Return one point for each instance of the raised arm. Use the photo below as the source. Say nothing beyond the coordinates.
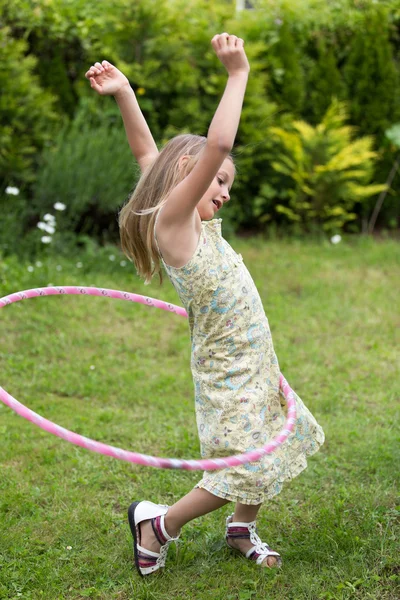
(107, 80)
(184, 198)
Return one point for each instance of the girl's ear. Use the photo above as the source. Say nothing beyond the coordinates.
(184, 160)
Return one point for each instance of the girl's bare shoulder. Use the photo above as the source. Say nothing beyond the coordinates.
(178, 243)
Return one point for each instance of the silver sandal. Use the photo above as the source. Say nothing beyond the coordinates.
(260, 550)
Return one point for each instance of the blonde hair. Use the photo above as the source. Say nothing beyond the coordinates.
(138, 215)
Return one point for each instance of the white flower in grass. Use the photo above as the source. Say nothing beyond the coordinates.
(69, 547)
(336, 239)
(46, 227)
(92, 367)
(12, 191)
(30, 269)
(60, 206)
(46, 239)
(59, 268)
(123, 263)
(49, 218)
(39, 263)
(111, 257)
(79, 265)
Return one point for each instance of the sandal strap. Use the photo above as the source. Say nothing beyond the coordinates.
(159, 530)
(147, 553)
(237, 532)
(260, 550)
(259, 556)
(150, 561)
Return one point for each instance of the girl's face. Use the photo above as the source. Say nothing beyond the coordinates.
(218, 192)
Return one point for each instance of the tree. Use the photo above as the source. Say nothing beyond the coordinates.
(287, 77)
(371, 76)
(26, 112)
(324, 81)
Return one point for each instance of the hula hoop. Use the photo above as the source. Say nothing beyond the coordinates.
(134, 457)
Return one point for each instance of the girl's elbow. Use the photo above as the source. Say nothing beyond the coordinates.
(219, 143)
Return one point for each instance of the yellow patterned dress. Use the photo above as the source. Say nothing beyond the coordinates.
(236, 374)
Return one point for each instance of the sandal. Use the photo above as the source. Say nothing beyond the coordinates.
(260, 551)
(147, 561)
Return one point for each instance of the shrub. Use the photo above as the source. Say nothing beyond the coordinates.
(26, 113)
(90, 169)
(324, 80)
(372, 79)
(330, 171)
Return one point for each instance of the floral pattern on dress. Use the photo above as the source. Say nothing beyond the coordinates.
(238, 404)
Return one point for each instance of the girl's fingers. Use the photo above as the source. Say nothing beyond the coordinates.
(98, 66)
(232, 40)
(94, 84)
(220, 41)
(223, 40)
(106, 64)
(92, 71)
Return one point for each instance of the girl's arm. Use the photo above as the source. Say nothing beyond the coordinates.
(137, 131)
(184, 198)
(108, 80)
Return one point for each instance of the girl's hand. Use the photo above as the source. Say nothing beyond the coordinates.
(230, 52)
(106, 79)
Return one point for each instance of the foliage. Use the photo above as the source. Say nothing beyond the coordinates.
(330, 171)
(26, 112)
(15, 214)
(287, 77)
(302, 54)
(90, 170)
(324, 81)
(371, 75)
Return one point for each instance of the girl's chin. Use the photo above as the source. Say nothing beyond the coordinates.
(206, 215)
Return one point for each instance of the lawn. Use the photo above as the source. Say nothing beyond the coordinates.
(119, 372)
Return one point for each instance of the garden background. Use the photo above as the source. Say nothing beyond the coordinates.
(315, 213)
(321, 113)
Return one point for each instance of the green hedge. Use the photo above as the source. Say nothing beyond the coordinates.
(302, 55)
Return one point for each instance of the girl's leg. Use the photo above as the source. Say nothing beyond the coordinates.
(245, 513)
(196, 503)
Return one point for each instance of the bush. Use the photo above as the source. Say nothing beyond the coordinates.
(330, 171)
(15, 214)
(90, 169)
(26, 112)
(371, 76)
(301, 53)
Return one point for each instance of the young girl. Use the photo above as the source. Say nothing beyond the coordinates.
(169, 219)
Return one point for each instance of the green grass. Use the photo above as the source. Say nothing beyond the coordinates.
(334, 316)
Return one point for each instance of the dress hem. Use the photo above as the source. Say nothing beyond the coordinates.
(255, 500)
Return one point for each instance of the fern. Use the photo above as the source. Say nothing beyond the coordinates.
(330, 171)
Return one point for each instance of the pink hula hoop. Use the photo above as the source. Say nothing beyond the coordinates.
(134, 457)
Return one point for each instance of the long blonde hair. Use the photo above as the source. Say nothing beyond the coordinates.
(138, 215)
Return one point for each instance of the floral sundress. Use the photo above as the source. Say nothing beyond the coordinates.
(239, 406)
